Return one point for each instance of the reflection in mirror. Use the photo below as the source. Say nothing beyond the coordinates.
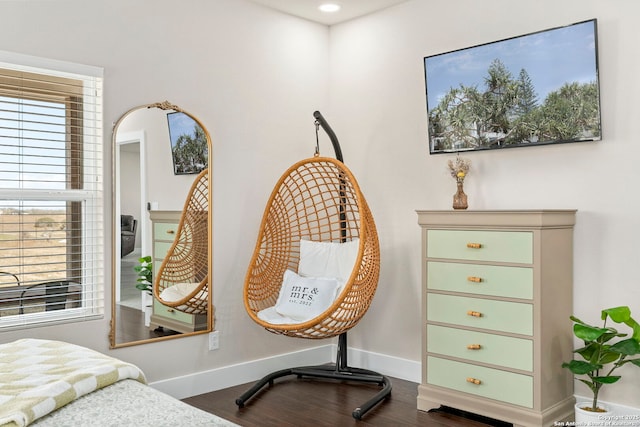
(160, 154)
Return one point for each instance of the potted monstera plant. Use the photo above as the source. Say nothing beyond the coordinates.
(145, 283)
(605, 350)
(145, 274)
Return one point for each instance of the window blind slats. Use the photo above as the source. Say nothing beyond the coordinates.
(51, 200)
(39, 83)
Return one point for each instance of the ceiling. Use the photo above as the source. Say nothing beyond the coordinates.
(308, 9)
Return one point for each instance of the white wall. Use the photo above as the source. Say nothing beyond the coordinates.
(377, 107)
(167, 190)
(254, 77)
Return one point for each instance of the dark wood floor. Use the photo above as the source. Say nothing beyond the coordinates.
(293, 402)
(130, 326)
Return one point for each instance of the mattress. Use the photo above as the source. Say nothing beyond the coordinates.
(129, 403)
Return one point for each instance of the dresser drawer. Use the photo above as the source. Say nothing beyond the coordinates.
(511, 282)
(165, 231)
(501, 316)
(499, 246)
(495, 384)
(160, 250)
(510, 352)
(171, 313)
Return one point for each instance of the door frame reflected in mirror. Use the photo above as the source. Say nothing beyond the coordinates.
(130, 144)
(117, 336)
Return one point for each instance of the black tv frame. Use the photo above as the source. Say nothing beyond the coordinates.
(474, 119)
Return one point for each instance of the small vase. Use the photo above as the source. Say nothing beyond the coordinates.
(460, 199)
(595, 419)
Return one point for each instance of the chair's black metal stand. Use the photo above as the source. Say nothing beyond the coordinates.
(335, 371)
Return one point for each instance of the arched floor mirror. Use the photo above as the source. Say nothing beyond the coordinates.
(158, 151)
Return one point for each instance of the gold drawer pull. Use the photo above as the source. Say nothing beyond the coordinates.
(474, 346)
(474, 279)
(474, 381)
(474, 245)
(170, 310)
(474, 313)
(171, 232)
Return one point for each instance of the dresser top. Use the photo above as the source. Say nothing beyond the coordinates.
(165, 215)
(538, 218)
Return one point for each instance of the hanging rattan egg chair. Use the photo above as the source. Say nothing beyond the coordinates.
(182, 280)
(319, 200)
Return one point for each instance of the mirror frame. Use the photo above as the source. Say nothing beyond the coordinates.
(167, 106)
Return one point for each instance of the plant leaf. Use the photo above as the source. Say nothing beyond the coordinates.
(588, 333)
(576, 320)
(606, 380)
(610, 335)
(623, 315)
(617, 314)
(636, 328)
(607, 356)
(629, 347)
(579, 367)
(589, 352)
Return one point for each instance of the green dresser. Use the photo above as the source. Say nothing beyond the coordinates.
(165, 227)
(496, 299)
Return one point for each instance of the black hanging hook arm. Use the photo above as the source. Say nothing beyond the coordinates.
(330, 133)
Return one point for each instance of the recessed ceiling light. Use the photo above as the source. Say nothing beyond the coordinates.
(329, 7)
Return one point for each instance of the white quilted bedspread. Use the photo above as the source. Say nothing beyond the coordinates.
(40, 376)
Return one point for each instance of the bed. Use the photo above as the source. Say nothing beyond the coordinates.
(49, 383)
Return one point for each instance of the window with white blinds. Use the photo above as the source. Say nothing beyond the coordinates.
(51, 194)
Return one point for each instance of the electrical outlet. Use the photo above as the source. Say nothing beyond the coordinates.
(214, 340)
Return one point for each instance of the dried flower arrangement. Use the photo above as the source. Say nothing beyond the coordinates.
(459, 168)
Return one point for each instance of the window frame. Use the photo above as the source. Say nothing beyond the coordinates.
(80, 90)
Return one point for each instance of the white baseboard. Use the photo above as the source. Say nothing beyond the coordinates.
(242, 373)
(396, 367)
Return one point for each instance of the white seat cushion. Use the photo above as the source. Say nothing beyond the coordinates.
(270, 315)
(183, 290)
(178, 291)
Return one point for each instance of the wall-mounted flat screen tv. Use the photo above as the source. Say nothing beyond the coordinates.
(188, 144)
(536, 89)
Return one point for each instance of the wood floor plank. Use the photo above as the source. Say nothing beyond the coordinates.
(293, 402)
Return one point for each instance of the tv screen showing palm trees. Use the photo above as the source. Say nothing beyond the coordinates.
(536, 89)
(188, 144)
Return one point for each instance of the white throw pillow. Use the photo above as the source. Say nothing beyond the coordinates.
(304, 298)
(328, 259)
